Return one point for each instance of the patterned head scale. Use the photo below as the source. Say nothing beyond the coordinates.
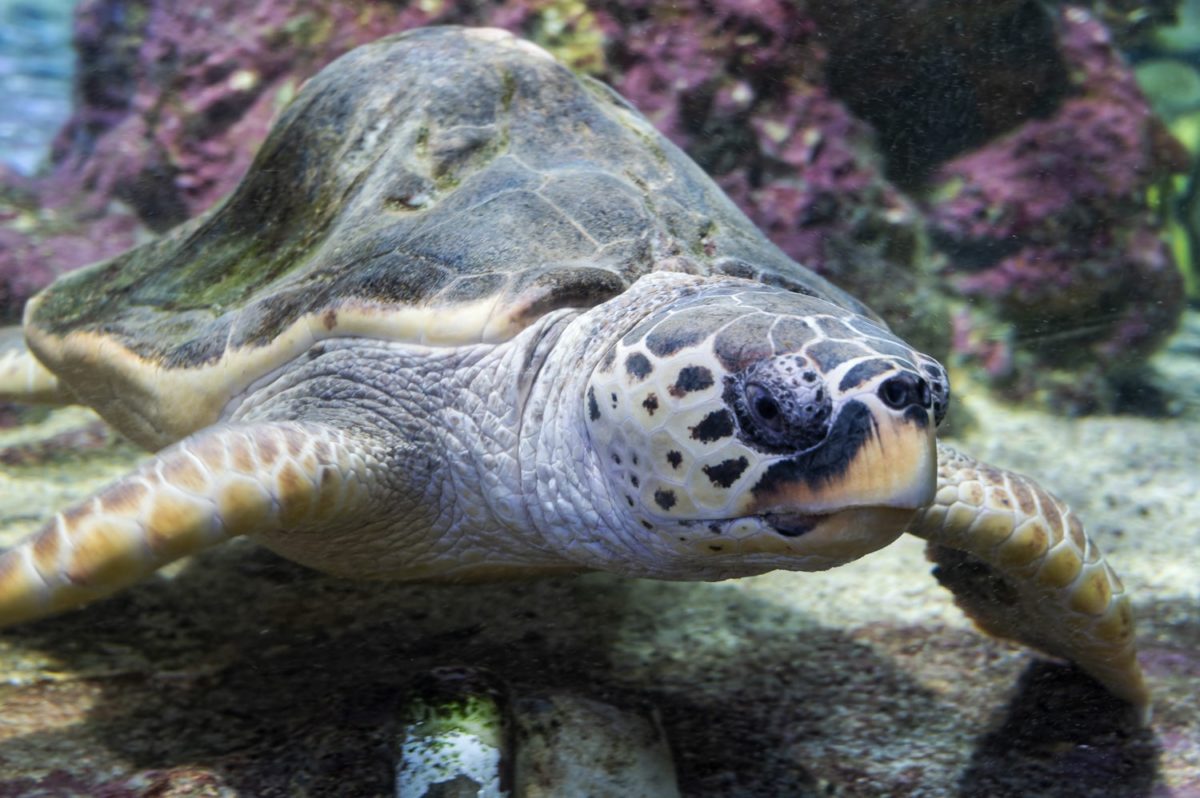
(752, 421)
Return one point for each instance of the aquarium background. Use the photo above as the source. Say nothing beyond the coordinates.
(1012, 185)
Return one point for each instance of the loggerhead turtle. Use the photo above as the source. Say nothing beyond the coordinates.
(470, 316)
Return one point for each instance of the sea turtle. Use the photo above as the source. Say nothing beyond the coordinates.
(470, 316)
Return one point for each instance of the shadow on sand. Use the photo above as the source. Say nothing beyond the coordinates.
(247, 673)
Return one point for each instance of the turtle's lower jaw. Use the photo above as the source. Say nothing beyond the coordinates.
(809, 542)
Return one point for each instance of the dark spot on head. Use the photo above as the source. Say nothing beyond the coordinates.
(610, 357)
(716, 425)
(918, 416)
(614, 401)
(664, 498)
(629, 499)
(679, 329)
(638, 366)
(648, 525)
(744, 341)
(673, 334)
(643, 328)
(828, 355)
(616, 458)
(329, 319)
(633, 480)
(593, 408)
(791, 334)
(864, 372)
(650, 403)
(634, 458)
(713, 547)
(715, 528)
(674, 458)
(691, 378)
(725, 473)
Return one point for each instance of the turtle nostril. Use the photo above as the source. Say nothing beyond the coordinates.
(904, 390)
(924, 395)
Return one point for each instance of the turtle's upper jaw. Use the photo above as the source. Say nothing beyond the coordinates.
(870, 458)
(848, 496)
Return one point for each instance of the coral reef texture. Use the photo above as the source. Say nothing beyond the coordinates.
(1050, 223)
(1011, 131)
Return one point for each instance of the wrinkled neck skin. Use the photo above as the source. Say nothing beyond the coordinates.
(446, 500)
(570, 500)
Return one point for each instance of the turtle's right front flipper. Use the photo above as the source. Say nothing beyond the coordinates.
(1022, 567)
(23, 379)
(222, 482)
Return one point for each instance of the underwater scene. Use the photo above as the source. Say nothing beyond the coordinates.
(562, 398)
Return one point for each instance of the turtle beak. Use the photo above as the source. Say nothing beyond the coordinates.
(855, 491)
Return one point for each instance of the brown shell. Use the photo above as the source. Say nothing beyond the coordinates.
(445, 185)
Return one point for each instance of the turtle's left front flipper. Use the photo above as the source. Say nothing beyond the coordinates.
(1022, 567)
(228, 480)
(22, 378)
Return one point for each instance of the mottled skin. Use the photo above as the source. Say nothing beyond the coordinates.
(470, 317)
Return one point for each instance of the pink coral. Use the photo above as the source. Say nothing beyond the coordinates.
(1050, 223)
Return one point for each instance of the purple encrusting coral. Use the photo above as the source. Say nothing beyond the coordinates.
(738, 85)
(1051, 226)
(173, 100)
(171, 103)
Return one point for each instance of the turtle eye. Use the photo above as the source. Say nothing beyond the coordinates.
(778, 410)
(764, 407)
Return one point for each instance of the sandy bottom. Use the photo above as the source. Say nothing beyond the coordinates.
(241, 674)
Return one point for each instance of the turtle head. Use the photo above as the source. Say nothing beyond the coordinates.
(759, 428)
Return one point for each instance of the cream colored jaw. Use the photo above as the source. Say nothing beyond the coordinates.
(225, 482)
(895, 467)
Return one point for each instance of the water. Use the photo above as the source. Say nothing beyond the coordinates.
(36, 62)
(238, 673)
